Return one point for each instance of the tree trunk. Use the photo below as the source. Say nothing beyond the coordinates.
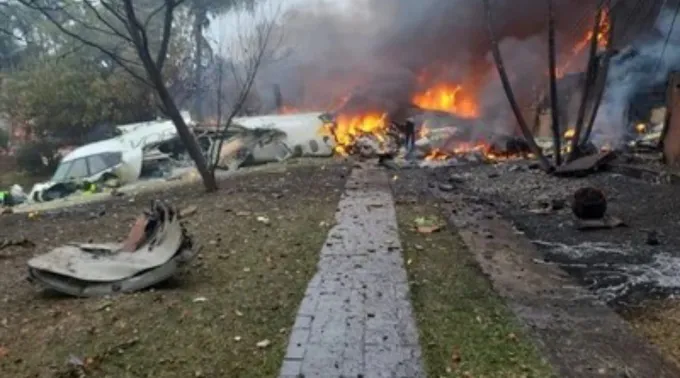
(187, 137)
(587, 87)
(601, 79)
(155, 76)
(498, 59)
(199, 21)
(554, 100)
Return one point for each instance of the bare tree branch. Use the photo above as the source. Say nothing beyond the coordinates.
(122, 62)
(554, 100)
(256, 49)
(165, 39)
(545, 164)
(587, 85)
(601, 84)
(99, 16)
(116, 13)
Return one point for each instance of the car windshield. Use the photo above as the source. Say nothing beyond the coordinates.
(62, 170)
(78, 168)
(73, 169)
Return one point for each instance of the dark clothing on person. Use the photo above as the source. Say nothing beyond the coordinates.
(410, 134)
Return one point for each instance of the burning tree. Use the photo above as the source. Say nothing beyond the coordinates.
(136, 35)
(592, 92)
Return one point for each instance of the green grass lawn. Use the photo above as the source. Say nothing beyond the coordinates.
(465, 328)
(229, 316)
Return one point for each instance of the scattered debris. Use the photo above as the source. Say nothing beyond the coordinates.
(670, 135)
(263, 344)
(151, 150)
(586, 165)
(652, 238)
(188, 211)
(589, 203)
(428, 225)
(263, 219)
(26, 243)
(388, 162)
(607, 221)
(103, 269)
(137, 234)
(456, 179)
(548, 206)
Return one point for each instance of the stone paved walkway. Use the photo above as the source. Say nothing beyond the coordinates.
(356, 319)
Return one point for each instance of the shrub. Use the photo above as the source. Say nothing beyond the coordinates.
(4, 139)
(38, 158)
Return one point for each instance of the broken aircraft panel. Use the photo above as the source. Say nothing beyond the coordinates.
(159, 247)
(274, 138)
(302, 133)
(249, 140)
(121, 158)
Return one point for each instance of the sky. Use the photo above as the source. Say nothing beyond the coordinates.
(226, 27)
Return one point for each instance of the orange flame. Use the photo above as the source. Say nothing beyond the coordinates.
(447, 98)
(348, 128)
(285, 109)
(579, 47)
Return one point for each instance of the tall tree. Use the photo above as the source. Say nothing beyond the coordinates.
(252, 48)
(202, 11)
(587, 85)
(554, 108)
(125, 31)
(507, 87)
(65, 98)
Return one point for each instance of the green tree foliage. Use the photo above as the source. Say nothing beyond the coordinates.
(76, 86)
(63, 99)
(38, 158)
(4, 138)
(202, 11)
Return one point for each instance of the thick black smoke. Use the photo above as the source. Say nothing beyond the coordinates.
(378, 49)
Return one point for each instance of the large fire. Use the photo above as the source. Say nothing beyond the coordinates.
(448, 98)
(456, 98)
(583, 43)
(348, 128)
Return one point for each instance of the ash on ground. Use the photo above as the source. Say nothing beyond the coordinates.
(623, 265)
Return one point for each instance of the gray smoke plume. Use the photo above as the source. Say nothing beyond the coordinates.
(377, 50)
(641, 68)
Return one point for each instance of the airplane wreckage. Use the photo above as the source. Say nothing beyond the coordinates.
(152, 149)
(156, 248)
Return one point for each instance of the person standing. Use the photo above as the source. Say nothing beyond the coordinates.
(410, 135)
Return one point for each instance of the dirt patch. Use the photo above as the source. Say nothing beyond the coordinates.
(465, 329)
(660, 323)
(579, 334)
(243, 288)
(618, 264)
